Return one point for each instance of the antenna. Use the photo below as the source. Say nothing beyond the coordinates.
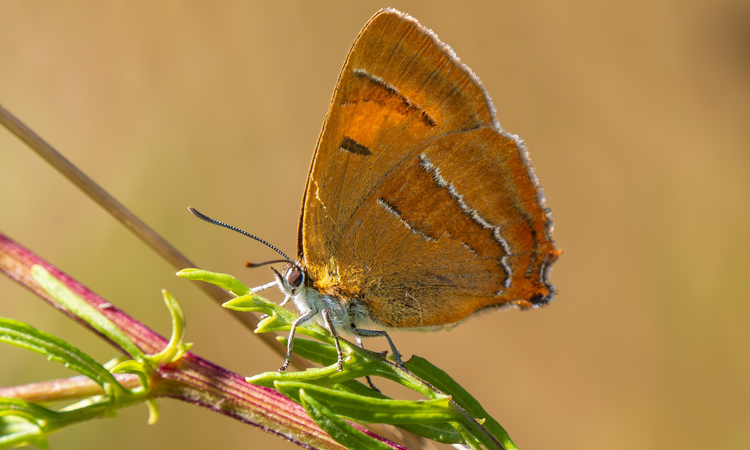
(222, 224)
(251, 265)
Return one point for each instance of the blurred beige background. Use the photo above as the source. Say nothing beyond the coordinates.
(637, 117)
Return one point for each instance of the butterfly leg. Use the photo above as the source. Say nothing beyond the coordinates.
(369, 380)
(300, 320)
(335, 336)
(372, 333)
(264, 287)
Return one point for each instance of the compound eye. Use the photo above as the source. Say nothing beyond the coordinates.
(294, 277)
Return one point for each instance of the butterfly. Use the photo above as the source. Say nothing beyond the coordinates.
(419, 210)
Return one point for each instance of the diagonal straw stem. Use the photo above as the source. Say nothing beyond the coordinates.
(133, 223)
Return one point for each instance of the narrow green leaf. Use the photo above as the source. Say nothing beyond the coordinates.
(252, 302)
(470, 438)
(340, 431)
(366, 409)
(279, 319)
(28, 411)
(55, 349)
(153, 411)
(224, 281)
(442, 381)
(441, 432)
(322, 375)
(319, 352)
(438, 431)
(16, 431)
(14, 411)
(137, 368)
(256, 303)
(175, 348)
(86, 312)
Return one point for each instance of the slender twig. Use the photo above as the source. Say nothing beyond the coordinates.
(192, 378)
(127, 218)
(64, 389)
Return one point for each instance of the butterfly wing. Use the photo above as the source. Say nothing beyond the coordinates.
(418, 206)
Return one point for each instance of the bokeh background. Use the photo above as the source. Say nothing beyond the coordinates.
(637, 117)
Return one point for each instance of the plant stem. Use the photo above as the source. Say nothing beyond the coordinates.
(64, 389)
(191, 379)
(129, 220)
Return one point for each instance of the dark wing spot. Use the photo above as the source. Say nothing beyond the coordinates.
(427, 119)
(352, 146)
(539, 300)
(400, 102)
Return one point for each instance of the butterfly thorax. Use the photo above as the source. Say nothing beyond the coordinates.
(345, 308)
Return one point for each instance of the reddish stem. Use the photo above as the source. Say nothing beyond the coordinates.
(191, 379)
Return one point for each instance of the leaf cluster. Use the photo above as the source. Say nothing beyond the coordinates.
(22, 422)
(448, 414)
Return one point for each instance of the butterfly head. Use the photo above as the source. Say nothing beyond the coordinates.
(291, 280)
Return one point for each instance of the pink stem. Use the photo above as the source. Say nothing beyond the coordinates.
(191, 379)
